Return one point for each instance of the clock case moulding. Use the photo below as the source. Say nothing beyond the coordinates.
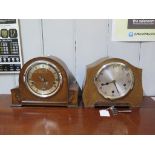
(68, 95)
(91, 96)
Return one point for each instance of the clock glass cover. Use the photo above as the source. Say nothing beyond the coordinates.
(43, 78)
(114, 80)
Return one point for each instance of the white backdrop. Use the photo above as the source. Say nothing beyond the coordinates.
(78, 43)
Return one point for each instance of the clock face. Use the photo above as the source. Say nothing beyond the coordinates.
(43, 78)
(114, 80)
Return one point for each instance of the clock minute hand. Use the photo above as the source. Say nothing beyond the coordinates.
(115, 85)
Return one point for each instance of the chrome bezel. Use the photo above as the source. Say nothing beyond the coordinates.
(46, 63)
(105, 66)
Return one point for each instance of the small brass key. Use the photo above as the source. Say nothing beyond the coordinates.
(115, 111)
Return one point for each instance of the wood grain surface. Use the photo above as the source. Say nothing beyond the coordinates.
(74, 121)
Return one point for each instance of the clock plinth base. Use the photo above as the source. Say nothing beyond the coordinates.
(74, 99)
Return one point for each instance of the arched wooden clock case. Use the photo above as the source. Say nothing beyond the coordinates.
(112, 81)
(46, 81)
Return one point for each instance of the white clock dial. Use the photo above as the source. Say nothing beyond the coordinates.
(114, 80)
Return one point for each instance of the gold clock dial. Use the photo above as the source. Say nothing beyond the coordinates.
(43, 79)
(114, 80)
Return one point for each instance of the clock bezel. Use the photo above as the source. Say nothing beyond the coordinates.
(33, 64)
(109, 64)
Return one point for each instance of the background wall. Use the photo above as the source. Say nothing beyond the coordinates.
(78, 43)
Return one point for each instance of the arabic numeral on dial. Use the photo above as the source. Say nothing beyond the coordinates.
(124, 84)
(101, 73)
(127, 74)
(96, 79)
(31, 82)
(129, 81)
(105, 92)
(56, 79)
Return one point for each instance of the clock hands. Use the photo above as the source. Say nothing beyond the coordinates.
(42, 78)
(114, 82)
(45, 82)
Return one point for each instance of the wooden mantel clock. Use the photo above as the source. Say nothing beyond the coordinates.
(112, 81)
(46, 81)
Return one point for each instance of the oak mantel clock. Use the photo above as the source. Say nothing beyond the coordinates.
(46, 81)
(112, 81)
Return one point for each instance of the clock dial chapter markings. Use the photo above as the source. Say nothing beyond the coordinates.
(31, 82)
(115, 79)
(43, 79)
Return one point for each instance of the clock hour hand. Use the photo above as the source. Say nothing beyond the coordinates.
(106, 83)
